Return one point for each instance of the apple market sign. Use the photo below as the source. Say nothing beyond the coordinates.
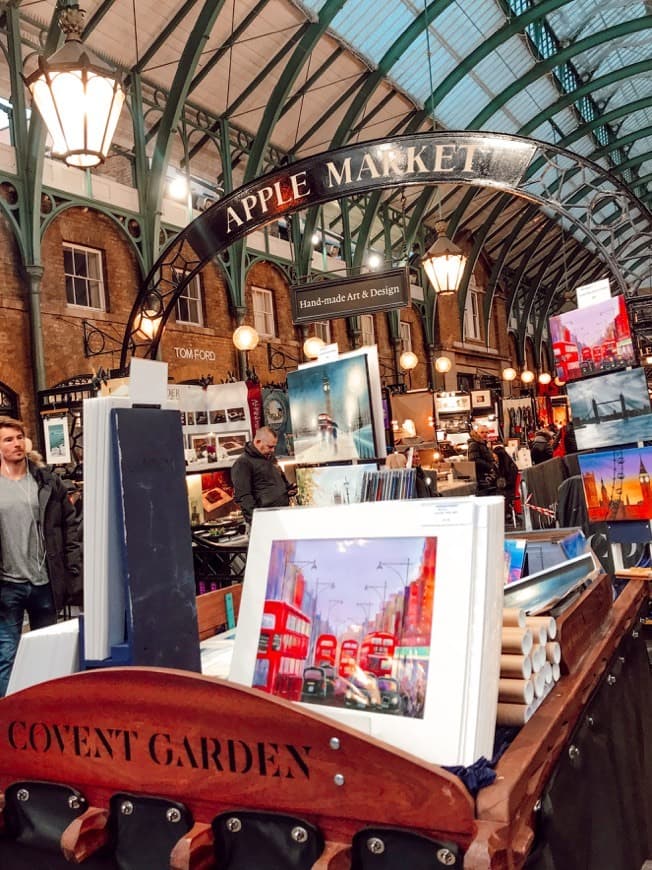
(409, 160)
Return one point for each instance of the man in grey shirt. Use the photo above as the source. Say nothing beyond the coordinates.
(40, 545)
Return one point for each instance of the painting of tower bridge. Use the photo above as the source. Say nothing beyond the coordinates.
(617, 484)
(611, 409)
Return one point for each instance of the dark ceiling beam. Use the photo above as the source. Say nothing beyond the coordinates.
(514, 26)
(544, 66)
(96, 17)
(279, 96)
(164, 35)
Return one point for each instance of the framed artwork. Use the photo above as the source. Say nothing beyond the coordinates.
(331, 411)
(217, 418)
(232, 444)
(593, 339)
(514, 558)
(57, 441)
(481, 398)
(611, 409)
(617, 484)
(324, 485)
(390, 621)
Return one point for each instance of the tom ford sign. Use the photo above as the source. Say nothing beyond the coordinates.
(418, 159)
(350, 296)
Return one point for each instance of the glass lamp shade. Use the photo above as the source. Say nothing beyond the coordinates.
(444, 263)
(78, 96)
(147, 326)
(509, 374)
(245, 337)
(443, 364)
(545, 378)
(408, 360)
(527, 376)
(312, 346)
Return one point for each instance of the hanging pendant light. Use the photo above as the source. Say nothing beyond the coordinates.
(78, 95)
(444, 263)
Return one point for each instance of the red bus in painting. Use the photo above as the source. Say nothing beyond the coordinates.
(377, 653)
(282, 650)
(348, 658)
(567, 359)
(325, 650)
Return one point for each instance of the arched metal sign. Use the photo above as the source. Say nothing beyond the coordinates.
(609, 216)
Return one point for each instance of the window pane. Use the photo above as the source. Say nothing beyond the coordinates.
(83, 276)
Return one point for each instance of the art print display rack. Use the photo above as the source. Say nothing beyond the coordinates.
(191, 773)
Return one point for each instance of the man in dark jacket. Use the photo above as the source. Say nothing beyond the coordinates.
(541, 448)
(485, 463)
(257, 479)
(40, 545)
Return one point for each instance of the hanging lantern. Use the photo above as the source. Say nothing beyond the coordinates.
(408, 360)
(444, 263)
(78, 96)
(245, 337)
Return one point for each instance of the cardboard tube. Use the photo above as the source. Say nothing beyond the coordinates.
(538, 656)
(556, 671)
(515, 691)
(517, 640)
(553, 652)
(513, 714)
(512, 665)
(547, 673)
(539, 681)
(547, 622)
(514, 617)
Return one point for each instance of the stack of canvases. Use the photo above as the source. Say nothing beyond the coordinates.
(529, 665)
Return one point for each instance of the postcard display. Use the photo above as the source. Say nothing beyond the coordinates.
(216, 423)
(389, 622)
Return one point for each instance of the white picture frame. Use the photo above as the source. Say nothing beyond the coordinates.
(456, 722)
(56, 440)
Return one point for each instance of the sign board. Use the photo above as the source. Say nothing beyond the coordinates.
(589, 294)
(324, 300)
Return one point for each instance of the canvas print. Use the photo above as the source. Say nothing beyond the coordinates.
(611, 409)
(354, 620)
(514, 558)
(276, 415)
(331, 484)
(330, 408)
(617, 484)
(591, 340)
(412, 415)
(57, 442)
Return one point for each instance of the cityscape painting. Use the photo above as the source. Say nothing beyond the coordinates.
(330, 408)
(347, 623)
(617, 484)
(590, 340)
(611, 409)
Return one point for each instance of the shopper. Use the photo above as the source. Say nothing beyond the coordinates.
(40, 545)
(257, 478)
(506, 476)
(541, 448)
(480, 453)
(425, 482)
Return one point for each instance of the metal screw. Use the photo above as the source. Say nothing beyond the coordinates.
(173, 815)
(299, 834)
(334, 743)
(537, 806)
(375, 845)
(22, 794)
(590, 721)
(338, 779)
(573, 753)
(74, 802)
(126, 808)
(611, 680)
(234, 825)
(445, 856)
